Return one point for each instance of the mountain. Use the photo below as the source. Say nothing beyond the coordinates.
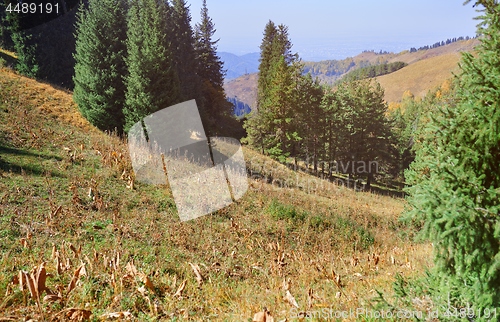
(237, 66)
(427, 69)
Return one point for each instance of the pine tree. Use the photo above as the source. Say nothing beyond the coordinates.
(181, 37)
(100, 66)
(216, 111)
(20, 40)
(367, 127)
(152, 82)
(310, 121)
(5, 32)
(456, 176)
(272, 127)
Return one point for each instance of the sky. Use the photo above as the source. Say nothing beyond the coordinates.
(322, 29)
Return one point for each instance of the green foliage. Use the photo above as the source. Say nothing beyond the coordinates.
(100, 46)
(348, 229)
(182, 44)
(152, 82)
(26, 63)
(364, 131)
(273, 127)
(280, 211)
(373, 71)
(456, 174)
(331, 67)
(215, 110)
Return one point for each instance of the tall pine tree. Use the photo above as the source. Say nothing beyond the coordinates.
(152, 81)
(456, 176)
(216, 111)
(100, 66)
(272, 127)
(182, 45)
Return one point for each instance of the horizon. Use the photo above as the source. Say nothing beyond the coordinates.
(325, 30)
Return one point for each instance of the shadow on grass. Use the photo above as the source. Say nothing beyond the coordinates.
(8, 166)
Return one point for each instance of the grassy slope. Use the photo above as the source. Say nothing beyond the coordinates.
(65, 185)
(419, 77)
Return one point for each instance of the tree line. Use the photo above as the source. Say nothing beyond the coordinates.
(341, 129)
(136, 57)
(125, 59)
(441, 43)
(373, 71)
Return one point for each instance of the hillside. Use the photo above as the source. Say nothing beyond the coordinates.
(419, 77)
(98, 244)
(244, 88)
(426, 69)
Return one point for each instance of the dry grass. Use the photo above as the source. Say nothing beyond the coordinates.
(420, 77)
(81, 240)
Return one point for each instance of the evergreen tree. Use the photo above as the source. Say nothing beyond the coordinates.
(216, 111)
(456, 176)
(152, 82)
(309, 121)
(182, 40)
(100, 66)
(367, 127)
(5, 32)
(20, 40)
(273, 126)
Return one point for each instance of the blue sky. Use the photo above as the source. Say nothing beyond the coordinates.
(324, 29)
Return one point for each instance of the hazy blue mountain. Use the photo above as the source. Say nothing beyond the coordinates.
(237, 66)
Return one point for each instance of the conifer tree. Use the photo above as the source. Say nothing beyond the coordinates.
(367, 127)
(456, 176)
(152, 82)
(272, 127)
(182, 44)
(100, 66)
(216, 111)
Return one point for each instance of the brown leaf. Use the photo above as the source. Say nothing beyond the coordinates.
(290, 299)
(53, 255)
(76, 276)
(75, 251)
(180, 289)
(131, 269)
(197, 272)
(58, 264)
(145, 279)
(24, 242)
(78, 314)
(39, 277)
(263, 316)
(27, 280)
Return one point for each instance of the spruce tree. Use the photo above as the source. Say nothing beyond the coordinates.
(273, 126)
(456, 176)
(182, 44)
(152, 82)
(368, 129)
(216, 111)
(100, 66)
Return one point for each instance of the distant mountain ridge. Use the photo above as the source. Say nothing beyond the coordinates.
(426, 69)
(237, 66)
